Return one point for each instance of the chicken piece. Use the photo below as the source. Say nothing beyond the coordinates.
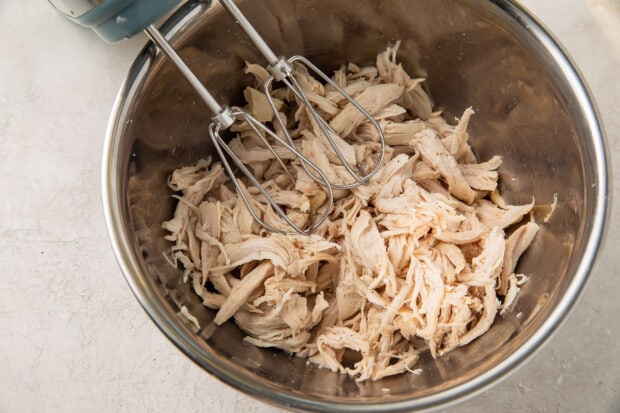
(511, 294)
(294, 312)
(457, 304)
(400, 248)
(414, 97)
(277, 287)
(347, 150)
(492, 216)
(315, 152)
(195, 188)
(372, 99)
(486, 319)
(292, 199)
(258, 105)
(405, 361)
(399, 300)
(322, 103)
(276, 248)
(406, 223)
(487, 266)
(241, 292)
(211, 300)
(356, 72)
(453, 255)
(348, 299)
(212, 251)
(185, 177)
(393, 111)
(257, 154)
(243, 218)
(457, 138)
(259, 72)
(482, 176)
(230, 232)
(196, 192)
(190, 318)
(210, 215)
(423, 172)
(320, 305)
(269, 330)
(340, 78)
(307, 82)
(338, 338)
(391, 178)
(433, 153)
(517, 243)
(369, 248)
(353, 89)
(471, 230)
(428, 291)
(401, 133)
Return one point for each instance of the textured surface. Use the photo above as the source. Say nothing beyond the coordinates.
(73, 338)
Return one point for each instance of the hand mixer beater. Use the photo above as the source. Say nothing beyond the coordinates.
(117, 19)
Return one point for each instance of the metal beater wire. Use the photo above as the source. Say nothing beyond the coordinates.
(226, 117)
(281, 69)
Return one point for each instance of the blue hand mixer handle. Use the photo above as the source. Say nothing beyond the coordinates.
(114, 20)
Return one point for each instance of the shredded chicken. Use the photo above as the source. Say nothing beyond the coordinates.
(420, 252)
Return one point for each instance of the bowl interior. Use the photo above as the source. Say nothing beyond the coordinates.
(473, 53)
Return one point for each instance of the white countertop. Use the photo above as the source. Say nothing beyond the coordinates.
(72, 336)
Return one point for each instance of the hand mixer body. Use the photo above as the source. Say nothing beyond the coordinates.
(115, 20)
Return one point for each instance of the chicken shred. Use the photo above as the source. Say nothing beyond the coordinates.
(420, 252)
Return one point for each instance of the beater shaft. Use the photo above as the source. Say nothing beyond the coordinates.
(161, 42)
(247, 27)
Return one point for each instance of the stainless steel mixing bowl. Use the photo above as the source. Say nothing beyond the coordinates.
(532, 108)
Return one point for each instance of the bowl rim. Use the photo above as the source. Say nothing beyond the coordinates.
(168, 324)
